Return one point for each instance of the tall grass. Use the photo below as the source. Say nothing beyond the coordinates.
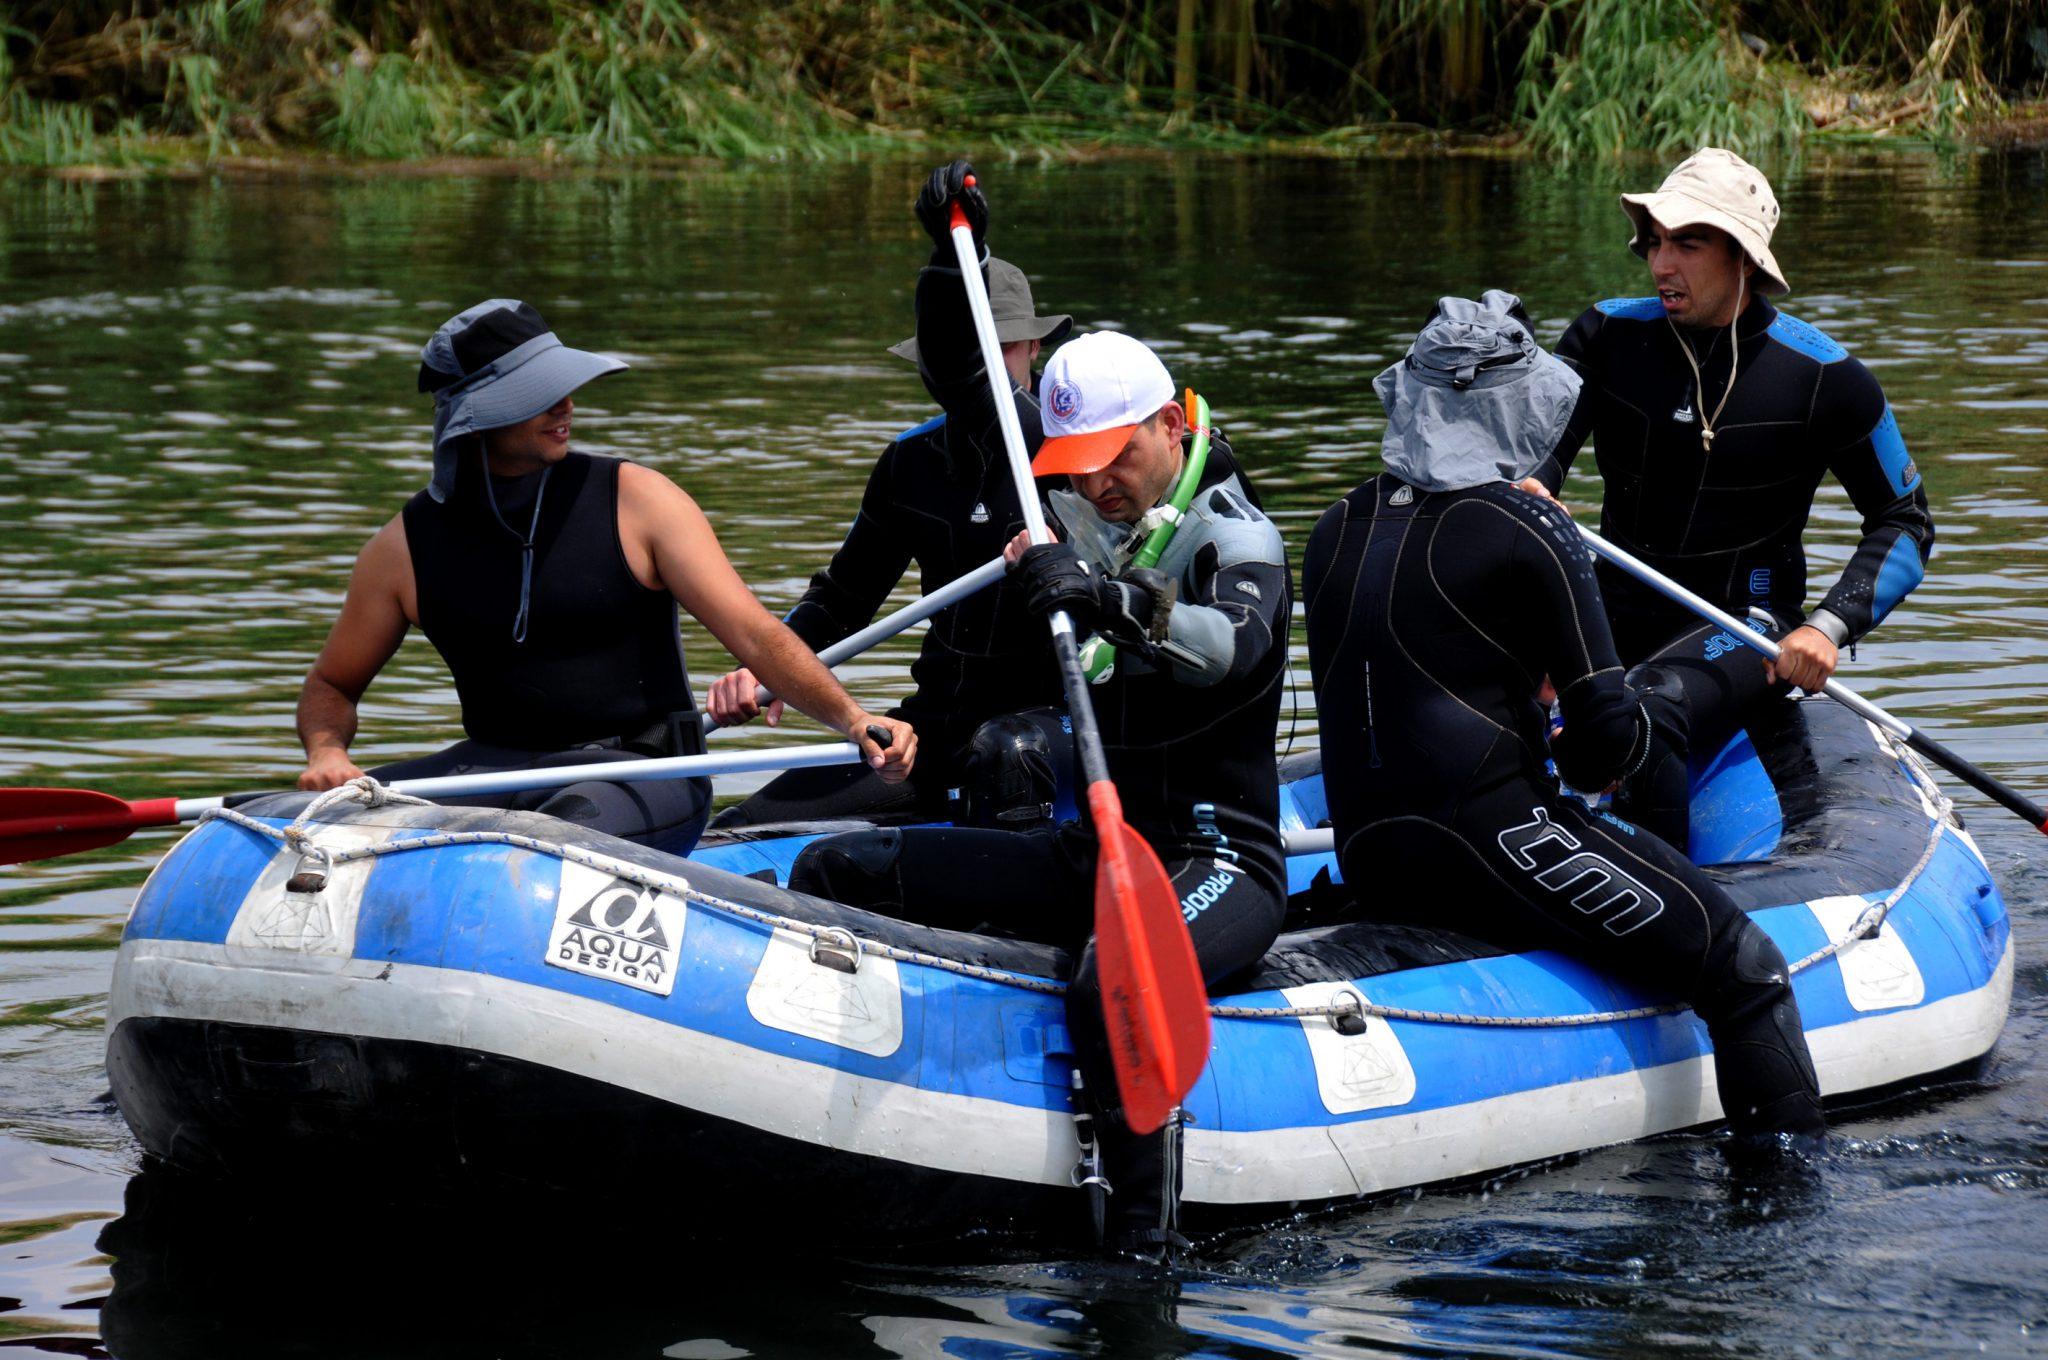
(1601, 76)
(612, 79)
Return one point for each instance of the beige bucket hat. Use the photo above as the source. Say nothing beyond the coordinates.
(1009, 297)
(1714, 188)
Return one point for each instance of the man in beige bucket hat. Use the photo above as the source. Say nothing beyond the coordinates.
(940, 496)
(1714, 417)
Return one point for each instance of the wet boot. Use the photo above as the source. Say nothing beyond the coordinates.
(1143, 1220)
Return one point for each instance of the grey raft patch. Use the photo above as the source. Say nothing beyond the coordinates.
(624, 932)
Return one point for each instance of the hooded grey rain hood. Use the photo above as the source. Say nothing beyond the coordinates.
(1476, 399)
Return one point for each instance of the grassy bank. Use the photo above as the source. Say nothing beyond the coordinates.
(89, 82)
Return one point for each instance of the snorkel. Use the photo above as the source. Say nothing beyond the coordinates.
(1098, 657)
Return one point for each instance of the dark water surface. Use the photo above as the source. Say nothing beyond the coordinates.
(207, 405)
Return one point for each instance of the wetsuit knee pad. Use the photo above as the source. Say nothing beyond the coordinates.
(1662, 691)
(1011, 780)
(1762, 1065)
(860, 868)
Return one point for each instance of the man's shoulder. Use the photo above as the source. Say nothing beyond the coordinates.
(1224, 515)
(1627, 309)
(647, 490)
(1804, 338)
(922, 430)
(1514, 509)
(1598, 324)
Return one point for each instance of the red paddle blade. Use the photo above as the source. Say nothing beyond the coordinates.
(1153, 1000)
(46, 823)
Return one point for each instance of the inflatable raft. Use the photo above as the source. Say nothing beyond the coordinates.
(485, 1000)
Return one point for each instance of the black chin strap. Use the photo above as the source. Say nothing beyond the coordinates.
(525, 542)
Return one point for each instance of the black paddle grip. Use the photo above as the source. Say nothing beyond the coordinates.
(880, 735)
(2008, 798)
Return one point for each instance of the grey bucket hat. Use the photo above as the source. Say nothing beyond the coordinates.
(1476, 400)
(1009, 297)
(493, 365)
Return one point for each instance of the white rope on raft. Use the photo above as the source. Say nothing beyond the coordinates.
(368, 793)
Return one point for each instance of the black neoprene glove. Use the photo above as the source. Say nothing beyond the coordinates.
(1130, 610)
(934, 207)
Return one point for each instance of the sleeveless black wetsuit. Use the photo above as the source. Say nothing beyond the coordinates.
(940, 496)
(1729, 525)
(568, 660)
(1432, 619)
(1188, 732)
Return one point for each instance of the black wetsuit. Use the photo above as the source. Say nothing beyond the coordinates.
(943, 497)
(1188, 731)
(567, 661)
(1730, 525)
(1432, 620)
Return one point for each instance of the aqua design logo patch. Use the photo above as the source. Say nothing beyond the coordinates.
(1062, 400)
(606, 927)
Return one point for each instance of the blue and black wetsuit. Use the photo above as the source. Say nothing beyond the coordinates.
(1729, 524)
(1433, 618)
(941, 496)
(565, 659)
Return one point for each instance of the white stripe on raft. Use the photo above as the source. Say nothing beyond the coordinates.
(975, 1136)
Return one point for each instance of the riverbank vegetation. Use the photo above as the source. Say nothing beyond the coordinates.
(98, 82)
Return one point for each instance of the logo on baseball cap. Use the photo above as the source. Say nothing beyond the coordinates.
(1097, 389)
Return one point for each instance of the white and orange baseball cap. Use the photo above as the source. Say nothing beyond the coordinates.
(1094, 392)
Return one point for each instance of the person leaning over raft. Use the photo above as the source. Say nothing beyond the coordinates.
(1188, 718)
(941, 496)
(1714, 417)
(1439, 598)
(548, 581)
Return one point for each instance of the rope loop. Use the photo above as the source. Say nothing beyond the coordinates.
(839, 948)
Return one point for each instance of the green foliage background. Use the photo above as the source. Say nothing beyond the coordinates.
(90, 81)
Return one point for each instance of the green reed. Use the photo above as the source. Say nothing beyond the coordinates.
(124, 80)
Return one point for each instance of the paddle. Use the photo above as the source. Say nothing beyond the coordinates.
(1999, 793)
(1153, 1000)
(917, 611)
(46, 823)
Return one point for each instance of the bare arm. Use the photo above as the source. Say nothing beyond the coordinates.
(372, 623)
(657, 517)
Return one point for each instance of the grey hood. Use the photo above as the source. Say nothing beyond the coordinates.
(1476, 399)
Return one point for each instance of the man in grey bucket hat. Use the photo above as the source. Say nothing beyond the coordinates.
(1444, 603)
(940, 496)
(1714, 418)
(549, 581)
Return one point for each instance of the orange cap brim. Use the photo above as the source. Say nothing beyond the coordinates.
(1076, 455)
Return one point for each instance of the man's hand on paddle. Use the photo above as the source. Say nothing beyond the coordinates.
(328, 768)
(732, 700)
(934, 206)
(1540, 492)
(1805, 658)
(893, 762)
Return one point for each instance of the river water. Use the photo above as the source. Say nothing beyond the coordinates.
(207, 405)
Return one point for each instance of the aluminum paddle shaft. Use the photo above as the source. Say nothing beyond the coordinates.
(881, 630)
(1155, 1008)
(2006, 797)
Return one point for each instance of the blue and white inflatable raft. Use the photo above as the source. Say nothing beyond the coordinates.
(493, 1001)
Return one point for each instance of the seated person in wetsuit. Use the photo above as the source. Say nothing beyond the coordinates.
(1188, 716)
(1440, 596)
(942, 496)
(549, 581)
(1714, 417)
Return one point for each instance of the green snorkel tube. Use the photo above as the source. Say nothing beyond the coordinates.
(1098, 658)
